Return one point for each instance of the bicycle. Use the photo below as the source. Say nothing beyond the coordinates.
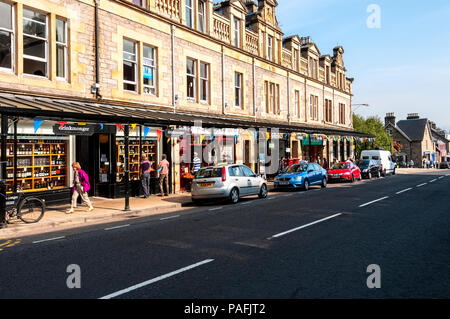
(27, 209)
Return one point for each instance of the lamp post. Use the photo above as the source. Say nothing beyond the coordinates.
(359, 105)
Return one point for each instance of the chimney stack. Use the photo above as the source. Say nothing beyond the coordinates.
(390, 119)
(413, 116)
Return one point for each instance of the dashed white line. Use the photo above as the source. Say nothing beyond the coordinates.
(49, 239)
(117, 227)
(441, 177)
(433, 180)
(170, 217)
(304, 226)
(403, 191)
(217, 208)
(422, 185)
(151, 281)
(374, 201)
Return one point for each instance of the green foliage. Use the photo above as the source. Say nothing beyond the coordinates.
(372, 125)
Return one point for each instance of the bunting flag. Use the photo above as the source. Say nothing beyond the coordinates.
(235, 139)
(82, 123)
(168, 140)
(268, 135)
(62, 123)
(201, 139)
(159, 134)
(146, 131)
(256, 135)
(133, 127)
(120, 126)
(37, 124)
(101, 126)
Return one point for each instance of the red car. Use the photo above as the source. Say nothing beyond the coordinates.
(345, 171)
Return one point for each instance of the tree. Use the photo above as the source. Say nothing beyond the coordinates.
(374, 126)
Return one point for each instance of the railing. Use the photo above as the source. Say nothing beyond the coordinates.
(221, 28)
(286, 59)
(170, 8)
(251, 42)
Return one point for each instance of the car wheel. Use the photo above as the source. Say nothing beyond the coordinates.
(378, 174)
(234, 196)
(263, 191)
(306, 185)
(393, 173)
(353, 179)
(369, 176)
(324, 183)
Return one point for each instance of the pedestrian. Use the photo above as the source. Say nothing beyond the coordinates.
(281, 164)
(325, 163)
(197, 162)
(163, 168)
(411, 164)
(80, 187)
(145, 169)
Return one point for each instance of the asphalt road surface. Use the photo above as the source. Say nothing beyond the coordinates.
(315, 244)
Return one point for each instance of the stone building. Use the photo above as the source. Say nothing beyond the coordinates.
(419, 138)
(165, 64)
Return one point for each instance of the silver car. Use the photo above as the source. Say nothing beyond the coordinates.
(227, 181)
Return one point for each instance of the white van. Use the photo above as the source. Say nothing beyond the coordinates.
(383, 157)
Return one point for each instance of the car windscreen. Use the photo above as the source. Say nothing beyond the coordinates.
(209, 173)
(297, 168)
(341, 166)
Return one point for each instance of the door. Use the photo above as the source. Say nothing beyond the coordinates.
(252, 180)
(238, 178)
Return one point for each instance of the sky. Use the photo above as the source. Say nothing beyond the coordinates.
(402, 66)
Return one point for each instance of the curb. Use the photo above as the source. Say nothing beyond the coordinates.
(23, 229)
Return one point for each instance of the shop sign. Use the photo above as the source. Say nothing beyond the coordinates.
(314, 141)
(75, 129)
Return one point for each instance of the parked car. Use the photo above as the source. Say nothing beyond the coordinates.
(369, 169)
(384, 158)
(301, 176)
(227, 182)
(344, 171)
(445, 165)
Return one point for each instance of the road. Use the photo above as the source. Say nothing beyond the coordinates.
(315, 244)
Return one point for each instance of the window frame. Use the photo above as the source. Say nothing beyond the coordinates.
(66, 49)
(154, 68)
(46, 41)
(190, 9)
(203, 79)
(238, 90)
(237, 32)
(135, 63)
(270, 47)
(12, 33)
(201, 16)
(297, 103)
(195, 79)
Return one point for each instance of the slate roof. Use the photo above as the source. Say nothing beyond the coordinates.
(414, 128)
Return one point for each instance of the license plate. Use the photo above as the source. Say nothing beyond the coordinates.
(207, 185)
(284, 183)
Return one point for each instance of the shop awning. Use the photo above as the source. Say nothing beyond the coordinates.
(41, 107)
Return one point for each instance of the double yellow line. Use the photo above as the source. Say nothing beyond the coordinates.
(9, 243)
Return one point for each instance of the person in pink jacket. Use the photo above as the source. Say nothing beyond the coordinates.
(80, 187)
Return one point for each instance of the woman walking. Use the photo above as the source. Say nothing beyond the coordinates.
(80, 187)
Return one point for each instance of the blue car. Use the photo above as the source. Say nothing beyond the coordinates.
(302, 176)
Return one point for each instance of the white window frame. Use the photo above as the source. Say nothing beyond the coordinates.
(135, 63)
(203, 79)
(201, 16)
(194, 77)
(238, 89)
(190, 8)
(269, 47)
(237, 32)
(65, 46)
(30, 57)
(13, 37)
(153, 66)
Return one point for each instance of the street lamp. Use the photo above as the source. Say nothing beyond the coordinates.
(359, 105)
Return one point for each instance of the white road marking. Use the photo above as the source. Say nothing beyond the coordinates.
(117, 227)
(422, 185)
(217, 208)
(433, 180)
(304, 226)
(49, 239)
(403, 191)
(374, 201)
(170, 217)
(441, 177)
(152, 281)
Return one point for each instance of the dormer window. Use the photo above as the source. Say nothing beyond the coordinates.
(237, 32)
(201, 16)
(270, 48)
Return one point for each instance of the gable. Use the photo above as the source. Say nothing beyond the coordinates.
(239, 4)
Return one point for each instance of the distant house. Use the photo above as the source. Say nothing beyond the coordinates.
(419, 138)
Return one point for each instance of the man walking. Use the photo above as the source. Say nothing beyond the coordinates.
(163, 168)
(145, 169)
(196, 161)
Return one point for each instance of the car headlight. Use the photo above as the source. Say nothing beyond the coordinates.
(298, 178)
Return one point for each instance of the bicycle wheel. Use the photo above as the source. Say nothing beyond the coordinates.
(31, 210)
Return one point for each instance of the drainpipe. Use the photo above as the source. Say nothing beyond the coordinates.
(223, 83)
(174, 102)
(288, 99)
(96, 86)
(254, 88)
